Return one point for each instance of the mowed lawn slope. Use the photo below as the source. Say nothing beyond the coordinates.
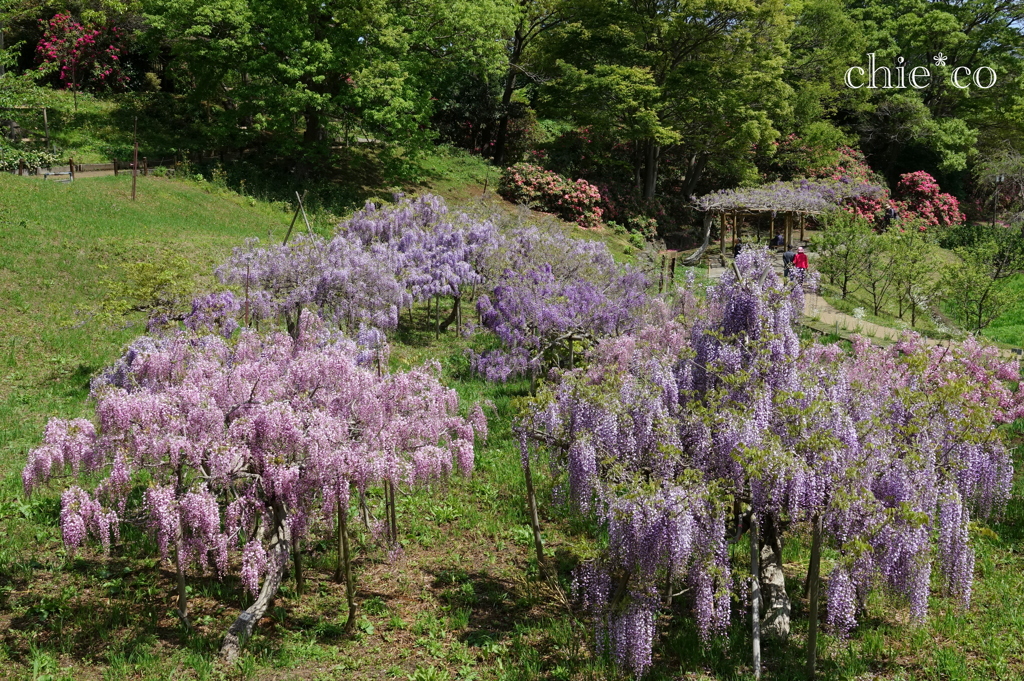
(58, 244)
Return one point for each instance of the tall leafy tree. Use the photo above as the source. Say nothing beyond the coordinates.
(271, 64)
(714, 69)
(941, 125)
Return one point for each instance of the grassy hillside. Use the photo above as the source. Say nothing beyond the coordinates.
(461, 601)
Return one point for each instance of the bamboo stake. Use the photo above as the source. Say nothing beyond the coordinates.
(294, 218)
(344, 556)
(755, 593)
(531, 497)
(812, 588)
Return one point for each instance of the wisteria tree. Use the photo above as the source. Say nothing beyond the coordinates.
(380, 261)
(242, 445)
(544, 322)
(680, 439)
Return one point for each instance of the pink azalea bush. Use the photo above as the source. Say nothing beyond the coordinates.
(82, 55)
(919, 197)
(573, 200)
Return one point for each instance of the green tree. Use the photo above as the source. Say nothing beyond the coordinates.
(973, 297)
(877, 275)
(912, 263)
(844, 246)
(941, 125)
(268, 65)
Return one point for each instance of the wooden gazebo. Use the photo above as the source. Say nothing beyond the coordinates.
(794, 201)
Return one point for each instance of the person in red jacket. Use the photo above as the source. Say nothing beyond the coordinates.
(800, 265)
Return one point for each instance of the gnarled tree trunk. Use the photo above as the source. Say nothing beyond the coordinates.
(694, 258)
(280, 552)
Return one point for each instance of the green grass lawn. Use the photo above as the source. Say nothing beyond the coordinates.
(462, 601)
(1009, 327)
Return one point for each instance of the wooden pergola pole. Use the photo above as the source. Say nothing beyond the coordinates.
(802, 220)
(721, 236)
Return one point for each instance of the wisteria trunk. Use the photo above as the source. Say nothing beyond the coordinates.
(345, 565)
(453, 316)
(182, 592)
(812, 587)
(709, 219)
(277, 564)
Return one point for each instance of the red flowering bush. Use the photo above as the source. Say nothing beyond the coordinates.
(82, 55)
(919, 197)
(573, 200)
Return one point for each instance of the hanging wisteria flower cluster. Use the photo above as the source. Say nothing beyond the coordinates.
(671, 435)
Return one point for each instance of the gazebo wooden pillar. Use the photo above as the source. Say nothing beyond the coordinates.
(721, 236)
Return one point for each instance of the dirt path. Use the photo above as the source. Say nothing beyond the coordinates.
(821, 316)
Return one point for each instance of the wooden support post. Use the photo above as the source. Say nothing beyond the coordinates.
(145, 166)
(115, 167)
(46, 128)
(721, 234)
(802, 220)
(661, 275)
(135, 156)
(21, 167)
(71, 168)
(789, 229)
(672, 271)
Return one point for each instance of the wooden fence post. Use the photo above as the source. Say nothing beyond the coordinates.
(71, 168)
(145, 165)
(21, 167)
(46, 128)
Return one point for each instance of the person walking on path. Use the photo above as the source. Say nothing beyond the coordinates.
(800, 265)
(787, 262)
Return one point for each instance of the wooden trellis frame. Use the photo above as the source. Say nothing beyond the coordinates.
(46, 121)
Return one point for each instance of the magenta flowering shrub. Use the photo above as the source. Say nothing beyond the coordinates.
(82, 55)
(573, 200)
(917, 198)
(920, 198)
